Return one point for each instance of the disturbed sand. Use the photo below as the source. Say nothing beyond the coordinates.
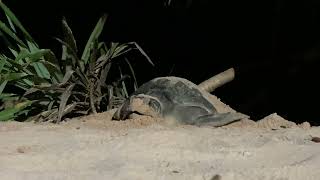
(94, 147)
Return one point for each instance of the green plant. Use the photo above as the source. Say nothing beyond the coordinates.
(50, 88)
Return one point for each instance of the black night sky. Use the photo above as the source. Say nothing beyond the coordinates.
(273, 45)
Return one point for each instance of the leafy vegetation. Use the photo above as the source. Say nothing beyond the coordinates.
(36, 85)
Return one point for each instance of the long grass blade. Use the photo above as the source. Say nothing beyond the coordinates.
(25, 85)
(30, 91)
(69, 108)
(118, 50)
(2, 63)
(51, 57)
(32, 56)
(112, 49)
(11, 24)
(15, 21)
(14, 52)
(54, 71)
(104, 74)
(68, 35)
(8, 31)
(12, 76)
(102, 47)
(142, 52)
(73, 54)
(45, 69)
(70, 43)
(23, 53)
(43, 116)
(15, 65)
(123, 52)
(40, 69)
(46, 86)
(3, 85)
(9, 113)
(8, 96)
(135, 83)
(66, 78)
(93, 57)
(64, 99)
(94, 35)
(5, 39)
(124, 88)
(36, 88)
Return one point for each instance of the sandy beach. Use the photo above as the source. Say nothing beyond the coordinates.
(94, 147)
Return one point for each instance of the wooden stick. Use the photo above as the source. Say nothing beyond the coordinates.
(218, 80)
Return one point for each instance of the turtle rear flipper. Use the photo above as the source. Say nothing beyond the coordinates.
(220, 119)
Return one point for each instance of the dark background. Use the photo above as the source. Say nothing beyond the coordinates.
(273, 45)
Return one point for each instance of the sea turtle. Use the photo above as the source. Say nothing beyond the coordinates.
(175, 98)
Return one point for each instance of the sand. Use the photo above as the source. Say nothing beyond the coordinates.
(143, 148)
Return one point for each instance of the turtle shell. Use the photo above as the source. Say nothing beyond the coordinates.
(171, 91)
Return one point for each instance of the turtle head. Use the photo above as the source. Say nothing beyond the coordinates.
(140, 104)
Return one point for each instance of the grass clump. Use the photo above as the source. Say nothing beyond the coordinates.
(36, 85)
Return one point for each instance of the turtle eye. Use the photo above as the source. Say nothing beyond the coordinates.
(154, 104)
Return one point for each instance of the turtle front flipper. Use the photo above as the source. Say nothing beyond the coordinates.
(123, 111)
(219, 119)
